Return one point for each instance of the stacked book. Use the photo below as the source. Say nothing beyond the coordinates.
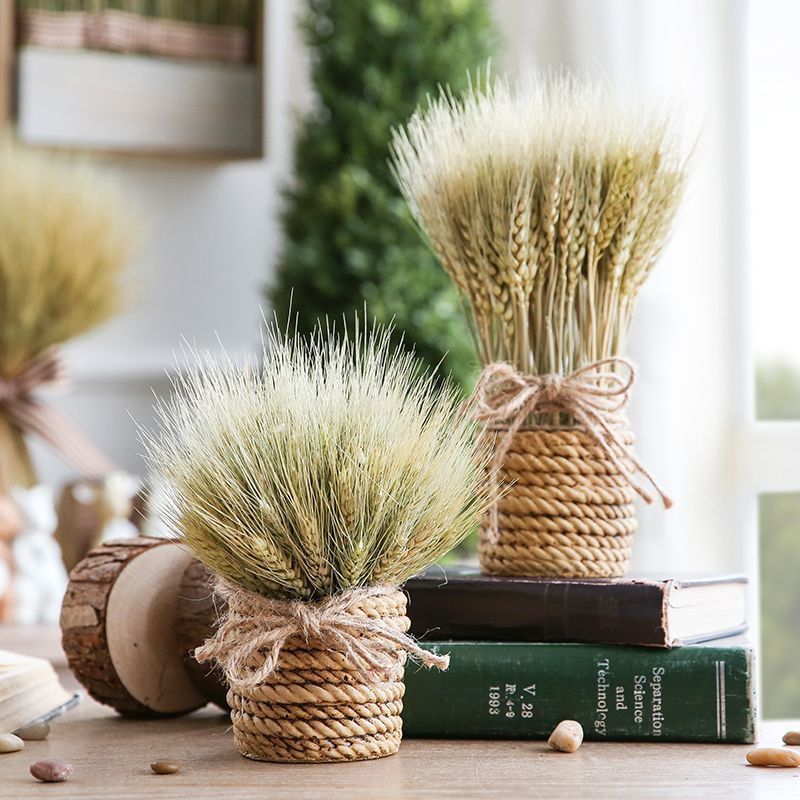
(630, 659)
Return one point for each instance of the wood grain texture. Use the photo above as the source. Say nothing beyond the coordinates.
(141, 616)
(111, 756)
(198, 612)
(109, 610)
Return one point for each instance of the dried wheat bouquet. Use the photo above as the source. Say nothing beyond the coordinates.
(65, 236)
(548, 205)
(313, 487)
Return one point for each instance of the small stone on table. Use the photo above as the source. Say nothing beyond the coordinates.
(51, 771)
(34, 732)
(165, 767)
(10, 743)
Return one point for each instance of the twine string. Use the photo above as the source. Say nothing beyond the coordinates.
(596, 395)
(22, 409)
(255, 624)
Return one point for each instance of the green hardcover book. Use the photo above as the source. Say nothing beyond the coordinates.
(522, 690)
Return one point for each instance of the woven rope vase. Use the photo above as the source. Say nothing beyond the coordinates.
(565, 510)
(314, 707)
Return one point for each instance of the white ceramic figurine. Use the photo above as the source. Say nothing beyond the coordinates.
(40, 579)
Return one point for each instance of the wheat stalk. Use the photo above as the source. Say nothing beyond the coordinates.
(65, 235)
(561, 198)
(335, 465)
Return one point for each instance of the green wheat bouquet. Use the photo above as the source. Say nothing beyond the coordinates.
(313, 487)
(65, 236)
(548, 207)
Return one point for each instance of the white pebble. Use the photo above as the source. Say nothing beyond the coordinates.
(567, 737)
(10, 743)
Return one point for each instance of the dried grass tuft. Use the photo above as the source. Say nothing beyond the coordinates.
(332, 466)
(65, 235)
(548, 205)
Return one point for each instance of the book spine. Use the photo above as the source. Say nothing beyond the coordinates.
(522, 691)
(538, 611)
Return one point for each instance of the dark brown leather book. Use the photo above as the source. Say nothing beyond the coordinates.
(463, 605)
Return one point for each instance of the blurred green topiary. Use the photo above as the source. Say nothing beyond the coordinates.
(349, 238)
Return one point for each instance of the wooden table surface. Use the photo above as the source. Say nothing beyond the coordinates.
(111, 757)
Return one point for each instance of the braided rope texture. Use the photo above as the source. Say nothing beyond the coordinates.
(313, 708)
(565, 509)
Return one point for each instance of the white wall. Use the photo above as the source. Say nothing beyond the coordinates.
(212, 238)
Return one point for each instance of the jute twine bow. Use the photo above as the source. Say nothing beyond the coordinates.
(21, 408)
(254, 624)
(595, 395)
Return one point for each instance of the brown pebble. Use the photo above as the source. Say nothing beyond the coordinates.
(165, 767)
(35, 732)
(51, 771)
(791, 737)
(773, 757)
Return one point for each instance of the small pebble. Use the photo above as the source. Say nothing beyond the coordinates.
(567, 737)
(10, 743)
(51, 771)
(165, 767)
(791, 737)
(35, 732)
(773, 757)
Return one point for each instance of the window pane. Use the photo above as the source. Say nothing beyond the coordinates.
(779, 519)
(774, 131)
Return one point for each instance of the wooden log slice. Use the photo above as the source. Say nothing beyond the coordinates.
(198, 615)
(118, 627)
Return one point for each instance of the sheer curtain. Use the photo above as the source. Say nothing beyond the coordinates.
(693, 401)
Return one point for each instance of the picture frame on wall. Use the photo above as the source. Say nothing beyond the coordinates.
(122, 77)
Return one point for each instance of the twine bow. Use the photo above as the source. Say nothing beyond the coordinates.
(21, 408)
(595, 395)
(254, 623)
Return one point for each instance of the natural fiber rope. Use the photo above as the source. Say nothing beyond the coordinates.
(316, 680)
(311, 750)
(539, 532)
(19, 404)
(564, 496)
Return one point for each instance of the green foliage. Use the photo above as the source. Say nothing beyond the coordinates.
(777, 391)
(779, 524)
(349, 238)
(778, 398)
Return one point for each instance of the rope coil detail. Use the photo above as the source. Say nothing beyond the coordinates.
(564, 504)
(329, 687)
(565, 523)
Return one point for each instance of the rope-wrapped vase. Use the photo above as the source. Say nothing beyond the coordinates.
(564, 504)
(315, 681)
(312, 490)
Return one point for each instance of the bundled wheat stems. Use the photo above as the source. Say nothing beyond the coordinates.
(548, 205)
(313, 487)
(65, 236)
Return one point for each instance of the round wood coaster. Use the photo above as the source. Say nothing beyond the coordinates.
(198, 613)
(118, 625)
